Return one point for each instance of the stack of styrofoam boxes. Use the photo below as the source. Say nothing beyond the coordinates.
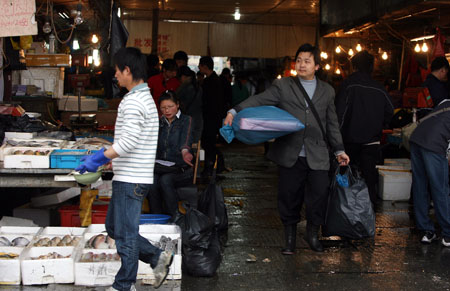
(103, 273)
(153, 232)
(46, 271)
(95, 273)
(10, 268)
(50, 79)
(395, 179)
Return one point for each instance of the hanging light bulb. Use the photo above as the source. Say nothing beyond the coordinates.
(417, 48)
(338, 50)
(47, 28)
(293, 73)
(279, 77)
(327, 67)
(424, 47)
(237, 15)
(324, 55)
(75, 45)
(94, 38)
(338, 72)
(78, 18)
(350, 52)
(384, 56)
(358, 47)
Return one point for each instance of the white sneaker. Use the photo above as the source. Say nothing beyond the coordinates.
(162, 268)
(428, 237)
(446, 241)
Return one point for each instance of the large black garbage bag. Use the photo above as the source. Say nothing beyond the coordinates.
(196, 229)
(349, 212)
(203, 262)
(212, 203)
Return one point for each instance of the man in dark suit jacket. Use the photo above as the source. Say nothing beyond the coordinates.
(302, 156)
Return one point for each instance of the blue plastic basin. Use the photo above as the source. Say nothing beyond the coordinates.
(154, 218)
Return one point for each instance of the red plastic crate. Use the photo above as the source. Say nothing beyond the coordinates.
(70, 215)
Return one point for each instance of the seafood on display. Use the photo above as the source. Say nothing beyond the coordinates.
(166, 243)
(57, 241)
(102, 257)
(17, 242)
(100, 241)
(8, 256)
(53, 255)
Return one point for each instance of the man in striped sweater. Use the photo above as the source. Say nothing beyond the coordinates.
(133, 154)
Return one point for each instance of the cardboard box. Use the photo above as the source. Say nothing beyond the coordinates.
(395, 185)
(51, 60)
(70, 103)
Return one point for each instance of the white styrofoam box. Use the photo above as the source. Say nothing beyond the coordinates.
(21, 135)
(48, 79)
(96, 228)
(47, 271)
(11, 237)
(395, 185)
(10, 269)
(70, 103)
(55, 198)
(96, 273)
(61, 231)
(26, 161)
(6, 147)
(153, 232)
(33, 230)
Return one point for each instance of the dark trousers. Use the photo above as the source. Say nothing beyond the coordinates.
(365, 158)
(209, 140)
(162, 196)
(300, 183)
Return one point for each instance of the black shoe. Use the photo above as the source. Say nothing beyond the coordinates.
(290, 235)
(312, 237)
(428, 237)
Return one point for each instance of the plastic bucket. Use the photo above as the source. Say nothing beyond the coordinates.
(154, 218)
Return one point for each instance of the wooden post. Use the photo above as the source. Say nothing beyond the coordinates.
(155, 23)
(401, 66)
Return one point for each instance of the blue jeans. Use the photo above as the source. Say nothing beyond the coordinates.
(122, 224)
(430, 168)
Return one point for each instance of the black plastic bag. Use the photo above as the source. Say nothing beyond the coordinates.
(196, 229)
(212, 203)
(203, 262)
(349, 212)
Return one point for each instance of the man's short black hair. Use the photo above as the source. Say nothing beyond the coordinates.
(439, 63)
(226, 71)
(181, 55)
(152, 60)
(169, 65)
(207, 61)
(308, 48)
(134, 59)
(363, 61)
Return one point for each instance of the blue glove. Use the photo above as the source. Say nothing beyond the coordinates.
(92, 162)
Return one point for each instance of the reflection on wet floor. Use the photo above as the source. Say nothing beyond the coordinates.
(393, 260)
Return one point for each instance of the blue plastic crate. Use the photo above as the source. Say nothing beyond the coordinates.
(67, 159)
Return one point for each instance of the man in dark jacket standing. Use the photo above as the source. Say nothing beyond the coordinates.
(363, 107)
(213, 113)
(429, 164)
(436, 81)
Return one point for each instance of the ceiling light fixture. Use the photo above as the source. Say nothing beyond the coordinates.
(423, 37)
(358, 47)
(417, 48)
(78, 19)
(338, 50)
(384, 56)
(46, 28)
(350, 52)
(327, 67)
(94, 38)
(237, 15)
(75, 45)
(424, 47)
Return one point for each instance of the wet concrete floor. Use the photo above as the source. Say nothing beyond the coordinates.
(393, 260)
